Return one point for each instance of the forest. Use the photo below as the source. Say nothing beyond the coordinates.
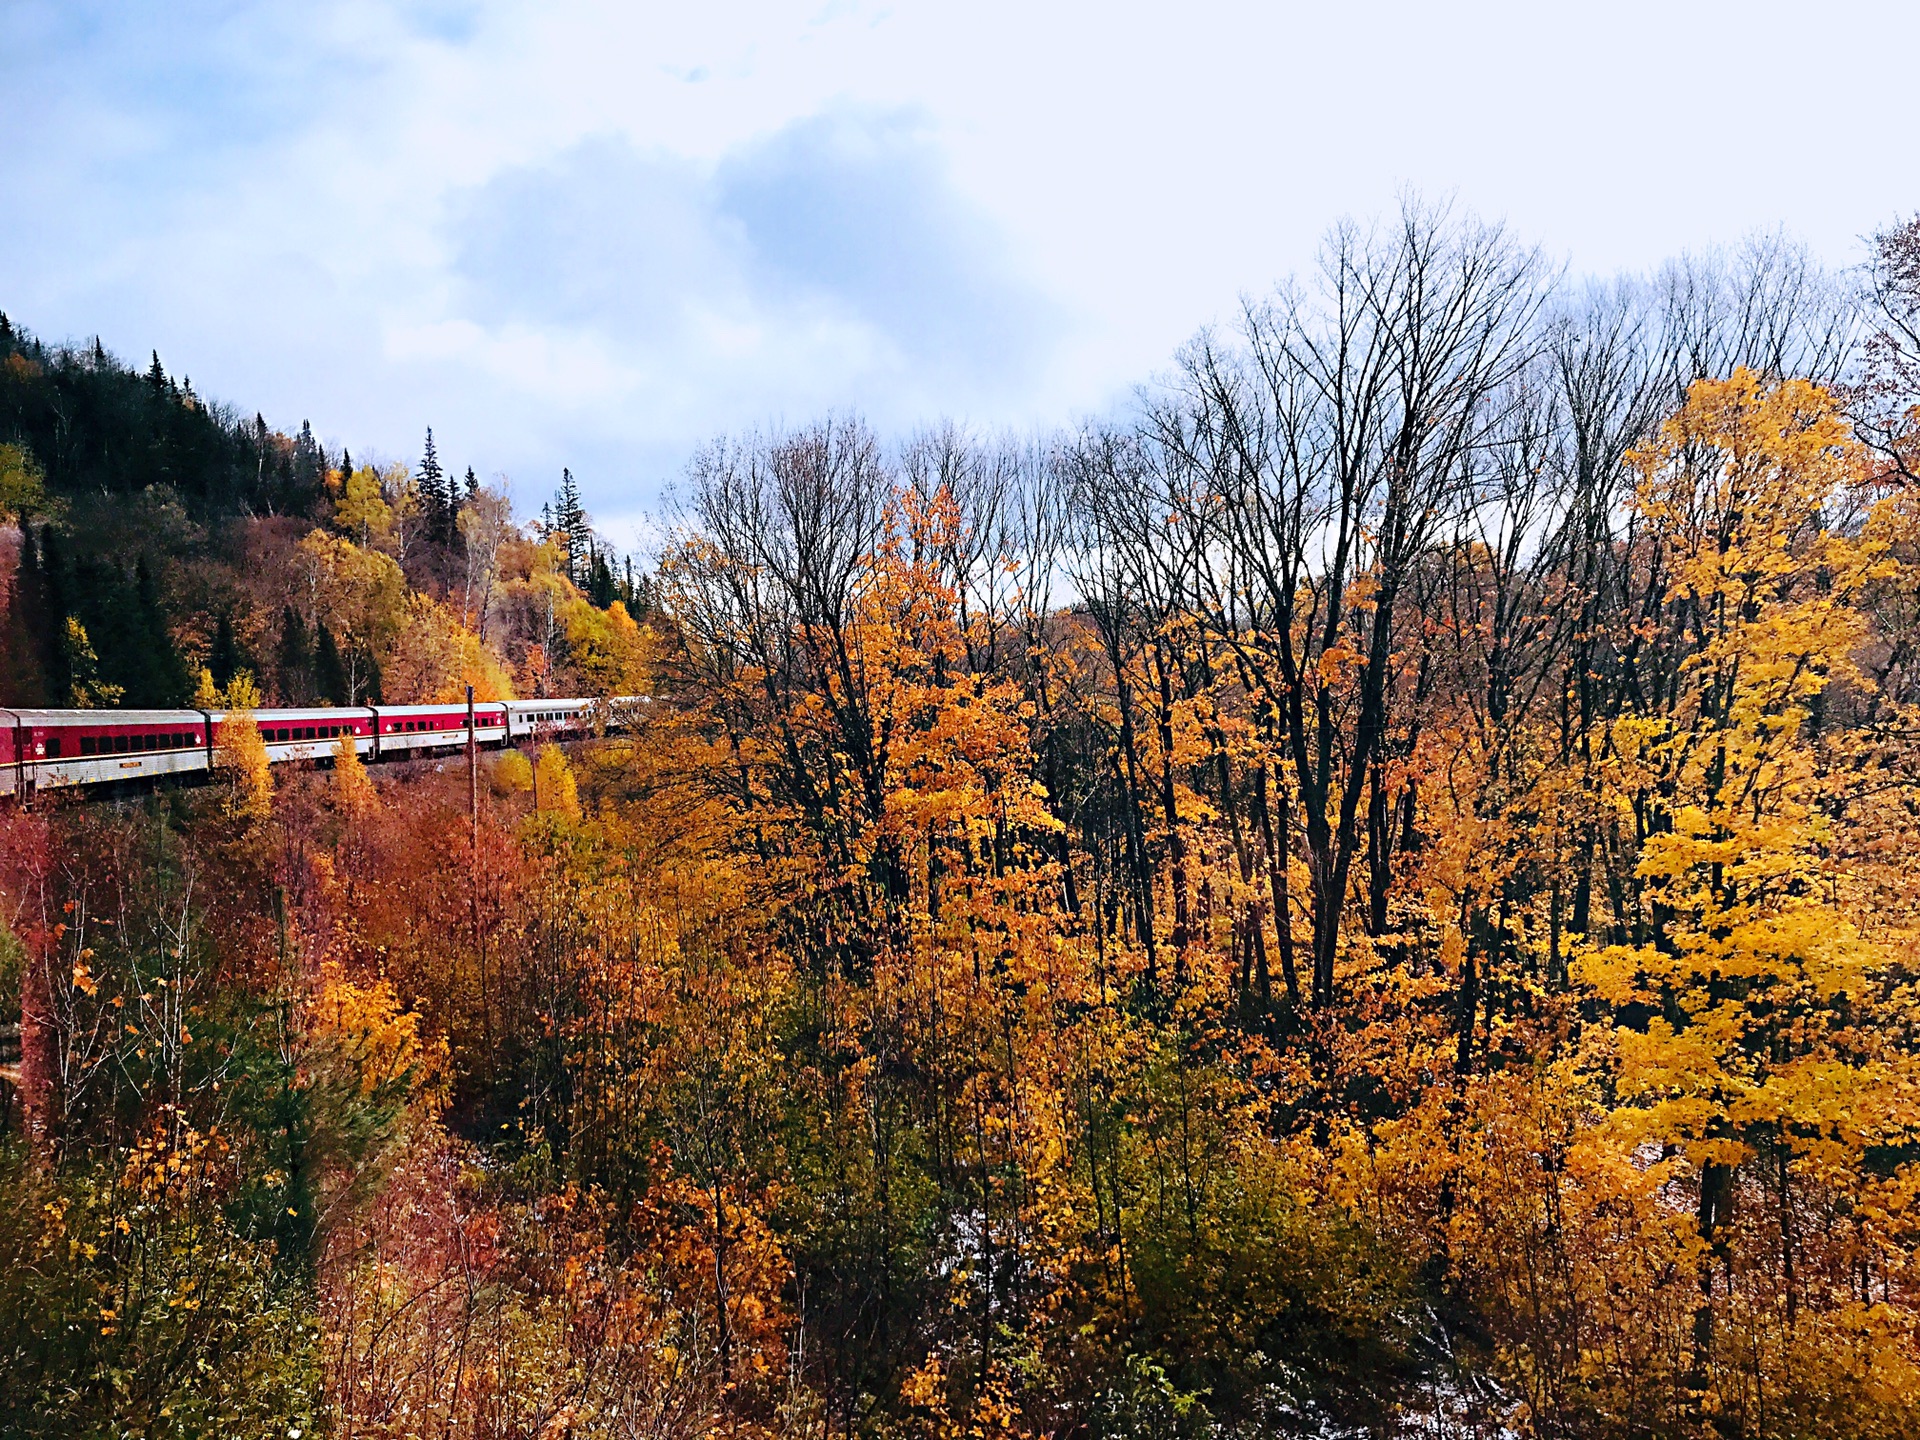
(1368, 893)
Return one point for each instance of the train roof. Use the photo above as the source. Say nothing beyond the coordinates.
(46, 717)
(104, 717)
(440, 708)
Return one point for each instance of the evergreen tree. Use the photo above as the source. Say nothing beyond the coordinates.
(329, 670)
(436, 497)
(600, 586)
(309, 461)
(473, 486)
(156, 673)
(47, 617)
(569, 525)
(295, 659)
(225, 657)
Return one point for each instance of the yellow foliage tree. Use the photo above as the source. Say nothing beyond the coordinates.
(362, 510)
(1737, 1035)
(353, 791)
(359, 594)
(89, 691)
(435, 657)
(512, 773)
(609, 650)
(554, 788)
(241, 752)
(23, 492)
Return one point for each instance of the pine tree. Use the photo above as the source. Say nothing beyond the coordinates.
(473, 486)
(309, 461)
(329, 671)
(48, 619)
(600, 583)
(159, 677)
(295, 659)
(435, 495)
(224, 657)
(569, 525)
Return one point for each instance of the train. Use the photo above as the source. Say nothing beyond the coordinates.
(44, 750)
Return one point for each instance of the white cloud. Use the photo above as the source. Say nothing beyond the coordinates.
(565, 232)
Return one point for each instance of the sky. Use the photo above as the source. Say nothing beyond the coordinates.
(599, 233)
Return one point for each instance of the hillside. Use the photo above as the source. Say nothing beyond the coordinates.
(176, 537)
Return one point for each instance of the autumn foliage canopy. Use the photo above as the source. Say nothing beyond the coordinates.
(1375, 898)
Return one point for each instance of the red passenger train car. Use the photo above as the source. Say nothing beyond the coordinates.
(62, 749)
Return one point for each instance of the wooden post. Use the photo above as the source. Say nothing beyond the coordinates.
(473, 879)
(473, 777)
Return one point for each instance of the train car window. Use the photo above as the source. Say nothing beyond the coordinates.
(53, 747)
(88, 745)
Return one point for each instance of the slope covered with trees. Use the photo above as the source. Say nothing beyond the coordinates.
(155, 534)
(1372, 896)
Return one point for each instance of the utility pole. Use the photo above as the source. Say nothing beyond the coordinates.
(473, 876)
(473, 777)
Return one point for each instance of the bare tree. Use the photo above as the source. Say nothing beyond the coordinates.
(1336, 438)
